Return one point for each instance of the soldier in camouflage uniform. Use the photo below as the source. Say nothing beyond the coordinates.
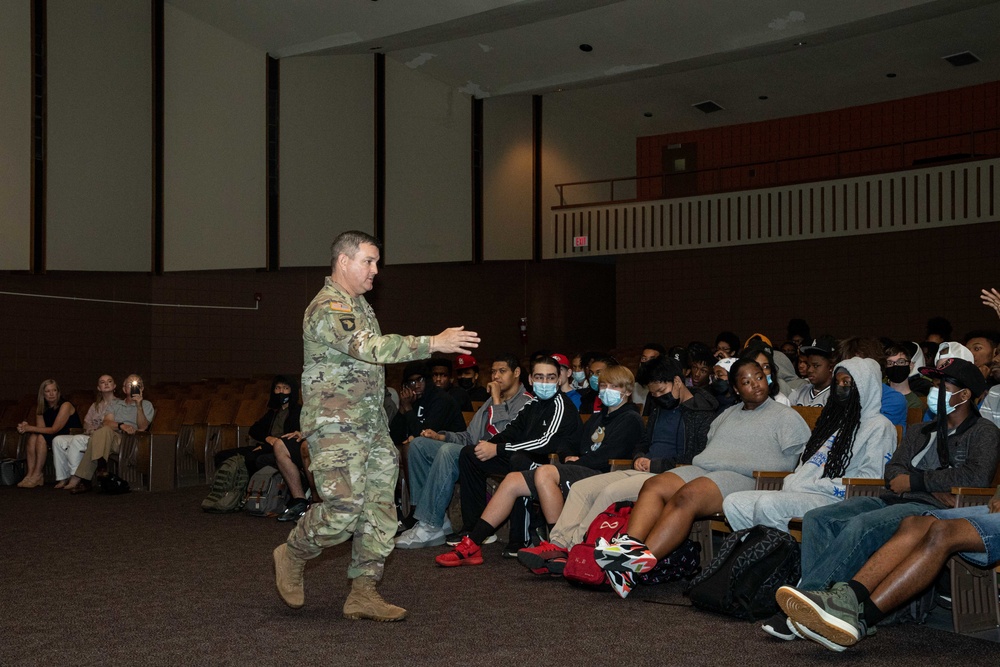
(354, 461)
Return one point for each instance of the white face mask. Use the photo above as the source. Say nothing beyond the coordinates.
(610, 397)
(932, 401)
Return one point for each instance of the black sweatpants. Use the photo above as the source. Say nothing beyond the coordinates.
(472, 475)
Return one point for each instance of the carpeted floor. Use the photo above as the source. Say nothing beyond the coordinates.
(149, 579)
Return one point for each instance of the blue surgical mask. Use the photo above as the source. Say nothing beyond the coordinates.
(579, 377)
(610, 397)
(594, 382)
(544, 390)
(768, 380)
(932, 401)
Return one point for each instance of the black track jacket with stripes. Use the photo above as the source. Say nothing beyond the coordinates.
(542, 428)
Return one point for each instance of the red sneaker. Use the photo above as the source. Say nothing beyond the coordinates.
(537, 558)
(466, 552)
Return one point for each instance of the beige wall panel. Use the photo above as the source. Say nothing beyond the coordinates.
(428, 169)
(15, 136)
(507, 225)
(99, 161)
(327, 154)
(214, 194)
(578, 147)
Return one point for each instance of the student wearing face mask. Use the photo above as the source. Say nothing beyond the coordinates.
(609, 434)
(898, 369)
(578, 373)
(959, 448)
(547, 424)
(721, 387)
(467, 378)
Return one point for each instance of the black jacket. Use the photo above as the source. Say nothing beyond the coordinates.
(621, 430)
(435, 410)
(697, 414)
(542, 428)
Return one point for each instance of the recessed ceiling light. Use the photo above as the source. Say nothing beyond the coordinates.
(890, 75)
(586, 48)
(800, 43)
(962, 59)
(762, 97)
(708, 106)
(648, 114)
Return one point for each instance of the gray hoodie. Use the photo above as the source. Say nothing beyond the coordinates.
(489, 419)
(873, 443)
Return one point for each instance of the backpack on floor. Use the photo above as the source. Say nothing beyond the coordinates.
(581, 568)
(12, 471)
(683, 562)
(267, 493)
(229, 487)
(750, 567)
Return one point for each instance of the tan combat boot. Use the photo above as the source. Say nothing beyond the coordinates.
(365, 602)
(288, 577)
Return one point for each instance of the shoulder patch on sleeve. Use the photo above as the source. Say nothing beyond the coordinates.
(338, 307)
(347, 322)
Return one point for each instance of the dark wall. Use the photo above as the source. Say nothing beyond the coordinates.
(75, 341)
(877, 285)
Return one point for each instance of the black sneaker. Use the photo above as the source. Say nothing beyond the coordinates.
(294, 511)
(777, 626)
(510, 551)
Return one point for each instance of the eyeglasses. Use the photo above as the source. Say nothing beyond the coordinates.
(414, 382)
(901, 362)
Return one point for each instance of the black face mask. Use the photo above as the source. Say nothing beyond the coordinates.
(719, 387)
(667, 401)
(842, 394)
(285, 398)
(465, 383)
(897, 374)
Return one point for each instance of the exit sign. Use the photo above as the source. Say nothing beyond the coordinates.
(580, 241)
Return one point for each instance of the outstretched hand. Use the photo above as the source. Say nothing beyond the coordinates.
(991, 298)
(455, 340)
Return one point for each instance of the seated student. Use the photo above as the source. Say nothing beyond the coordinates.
(821, 355)
(798, 332)
(423, 405)
(701, 362)
(721, 387)
(959, 449)
(441, 375)
(758, 434)
(590, 401)
(579, 374)
(851, 439)
(675, 433)
(547, 424)
(609, 434)
(649, 352)
(54, 415)
(125, 417)
(759, 349)
(432, 459)
(276, 438)
(893, 402)
(900, 570)
(467, 378)
(727, 345)
(898, 366)
(566, 380)
(67, 450)
(779, 368)
(983, 345)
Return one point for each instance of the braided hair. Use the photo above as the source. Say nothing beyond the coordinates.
(842, 421)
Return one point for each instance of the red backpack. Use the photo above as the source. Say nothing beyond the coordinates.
(581, 568)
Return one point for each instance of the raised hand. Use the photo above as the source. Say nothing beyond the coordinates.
(455, 340)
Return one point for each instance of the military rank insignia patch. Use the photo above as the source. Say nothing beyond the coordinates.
(347, 321)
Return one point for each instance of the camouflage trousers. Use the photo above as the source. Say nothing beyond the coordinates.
(355, 475)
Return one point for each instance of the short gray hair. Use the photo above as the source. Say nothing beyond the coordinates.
(348, 243)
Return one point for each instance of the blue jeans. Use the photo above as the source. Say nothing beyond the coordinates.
(837, 540)
(433, 469)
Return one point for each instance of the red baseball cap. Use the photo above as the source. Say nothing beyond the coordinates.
(466, 361)
(563, 361)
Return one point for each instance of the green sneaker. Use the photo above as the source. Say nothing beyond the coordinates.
(833, 615)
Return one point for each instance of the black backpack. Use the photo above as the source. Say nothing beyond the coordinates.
(751, 565)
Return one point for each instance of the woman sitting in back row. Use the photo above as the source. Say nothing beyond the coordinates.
(54, 416)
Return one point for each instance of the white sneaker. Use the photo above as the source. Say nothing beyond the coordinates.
(422, 535)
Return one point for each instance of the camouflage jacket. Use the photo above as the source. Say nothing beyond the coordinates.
(343, 379)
